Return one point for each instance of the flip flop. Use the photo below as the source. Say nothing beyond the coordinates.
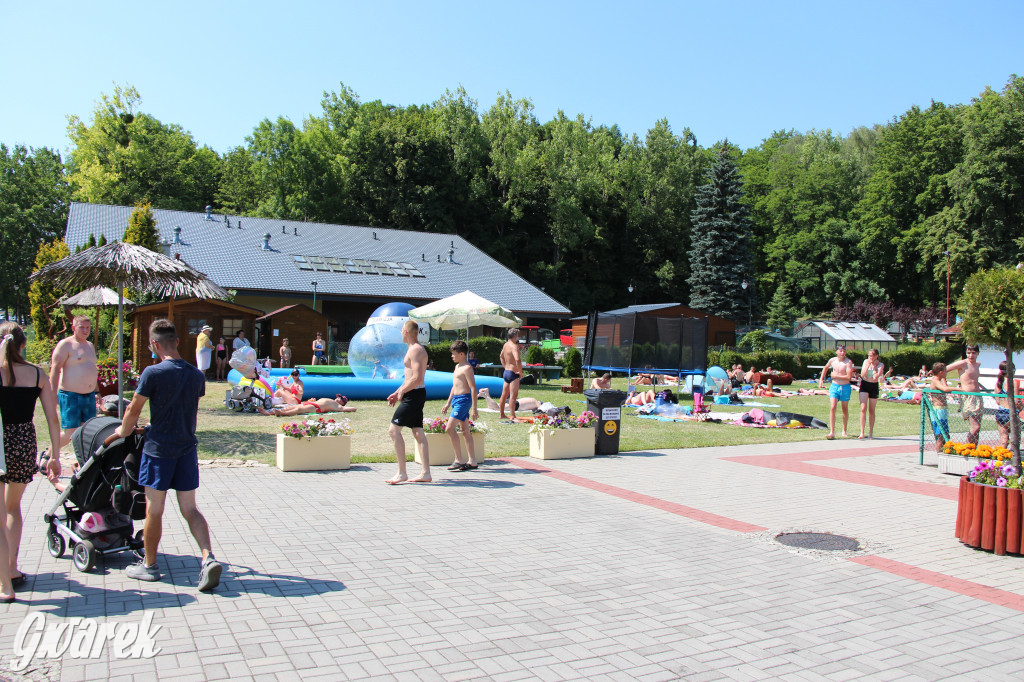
(457, 466)
(469, 467)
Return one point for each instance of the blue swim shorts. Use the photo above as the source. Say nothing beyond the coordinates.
(461, 405)
(75, 408)
(166, 473)
(1003, 416)
(509, 376)
(840, 392)
(940, 422)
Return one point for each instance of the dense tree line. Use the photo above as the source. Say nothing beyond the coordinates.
(578, 209)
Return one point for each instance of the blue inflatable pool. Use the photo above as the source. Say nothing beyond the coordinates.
(439, 385)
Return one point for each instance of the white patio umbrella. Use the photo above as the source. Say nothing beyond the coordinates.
(120, 265)
(462, 311)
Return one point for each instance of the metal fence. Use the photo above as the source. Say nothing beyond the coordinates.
(970, 418)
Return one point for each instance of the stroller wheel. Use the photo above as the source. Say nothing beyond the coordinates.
(84, 556)
(55, 543)
(140, 552)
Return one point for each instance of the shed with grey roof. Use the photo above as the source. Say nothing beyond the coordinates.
(349, 270)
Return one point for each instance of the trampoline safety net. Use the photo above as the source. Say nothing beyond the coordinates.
(665, 345)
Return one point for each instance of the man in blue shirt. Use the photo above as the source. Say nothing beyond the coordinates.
(169, 454)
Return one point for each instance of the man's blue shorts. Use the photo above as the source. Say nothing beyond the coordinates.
(460, 406)
(75, 408)
(840, 392)
(509, 376)
(166, 473)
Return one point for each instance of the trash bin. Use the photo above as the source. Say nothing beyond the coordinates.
(607, 405)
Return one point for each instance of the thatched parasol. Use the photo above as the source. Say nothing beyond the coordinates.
(119, 265)
(94, 297)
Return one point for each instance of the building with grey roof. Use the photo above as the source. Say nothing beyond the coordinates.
(349, 270)
(828, 335)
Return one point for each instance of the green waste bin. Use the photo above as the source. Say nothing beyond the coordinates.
(607, 405)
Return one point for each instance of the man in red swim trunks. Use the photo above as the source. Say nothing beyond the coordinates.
(318, 406)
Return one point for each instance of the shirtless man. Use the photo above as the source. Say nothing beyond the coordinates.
(971, 406)
(312, 406)
(513, 365)
(73, 378)
(839, 392)
(412, 394)
(602, 382)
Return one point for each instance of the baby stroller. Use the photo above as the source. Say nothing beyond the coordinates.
(253, 393)
(94, 513)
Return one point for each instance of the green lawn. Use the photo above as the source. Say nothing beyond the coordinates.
(224, 433)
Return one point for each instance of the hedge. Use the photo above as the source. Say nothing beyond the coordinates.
(906, 360)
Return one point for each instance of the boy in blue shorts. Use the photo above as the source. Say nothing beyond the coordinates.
(462, 400)
(169, 455)
(839, 392)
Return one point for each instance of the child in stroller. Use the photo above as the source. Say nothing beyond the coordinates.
(94, 512)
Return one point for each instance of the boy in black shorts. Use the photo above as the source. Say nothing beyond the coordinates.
(412, 394)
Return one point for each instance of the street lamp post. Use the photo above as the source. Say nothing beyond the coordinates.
(631, 289)
(314, 294)
(947, 288)
(750, 314)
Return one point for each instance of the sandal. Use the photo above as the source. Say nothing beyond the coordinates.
(456, 466)
(469, 467)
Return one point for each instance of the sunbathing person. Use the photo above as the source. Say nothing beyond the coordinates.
(641, 398)
(313, 406)
(748, 378)
(602, 382)
(531, 404)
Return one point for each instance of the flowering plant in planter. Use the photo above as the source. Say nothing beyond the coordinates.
(437, 425)
(106, 375)
(564, 421)
(999, 475)
(313, 428)
(980, 451)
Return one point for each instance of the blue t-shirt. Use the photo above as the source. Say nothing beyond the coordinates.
(173, 388)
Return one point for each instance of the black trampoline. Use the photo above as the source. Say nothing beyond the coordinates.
(632, 344)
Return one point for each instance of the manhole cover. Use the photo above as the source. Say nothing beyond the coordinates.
(825, 541)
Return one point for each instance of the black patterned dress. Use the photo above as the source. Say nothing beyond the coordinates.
(17, 407)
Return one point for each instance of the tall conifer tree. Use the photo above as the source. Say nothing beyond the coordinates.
(720, 255)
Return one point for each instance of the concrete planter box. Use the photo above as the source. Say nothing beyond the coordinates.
(441, 452)
(956, 464)
(322, 453)
(562, 443)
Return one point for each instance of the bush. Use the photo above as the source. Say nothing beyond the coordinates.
(441, 355)
(756, 340)
(572, 362)
(547, 356)
(487, 349)
(534, 355)
(40, 350)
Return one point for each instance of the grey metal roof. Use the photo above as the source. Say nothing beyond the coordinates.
(641, 308)
(847, 331)
(229, 250)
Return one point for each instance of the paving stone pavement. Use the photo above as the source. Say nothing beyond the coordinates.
(648, 566)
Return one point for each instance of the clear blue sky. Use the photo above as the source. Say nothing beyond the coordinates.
(724, 69)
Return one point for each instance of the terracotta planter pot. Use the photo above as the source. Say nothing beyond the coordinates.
(1013, 519)
(990, 518)
(110, 389)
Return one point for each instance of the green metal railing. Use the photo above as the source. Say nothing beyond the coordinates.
(929, 415)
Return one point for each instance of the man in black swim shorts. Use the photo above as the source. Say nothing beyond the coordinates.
(513, 365)
(410, 396)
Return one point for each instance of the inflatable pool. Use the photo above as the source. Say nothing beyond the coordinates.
(439, 384)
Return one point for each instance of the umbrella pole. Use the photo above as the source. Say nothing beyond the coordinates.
(120, 352)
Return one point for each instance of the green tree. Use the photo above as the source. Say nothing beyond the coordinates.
(142, 228)
(43, 298)
(993, 312)
(34, 199)
(720, 243)
(781, 313)
(124, 156)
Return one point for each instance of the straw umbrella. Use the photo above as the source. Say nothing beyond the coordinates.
(119, 266)
(95, 297)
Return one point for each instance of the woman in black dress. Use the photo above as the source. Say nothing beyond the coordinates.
(21, 384)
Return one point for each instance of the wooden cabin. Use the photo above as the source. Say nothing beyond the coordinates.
(299, 324)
